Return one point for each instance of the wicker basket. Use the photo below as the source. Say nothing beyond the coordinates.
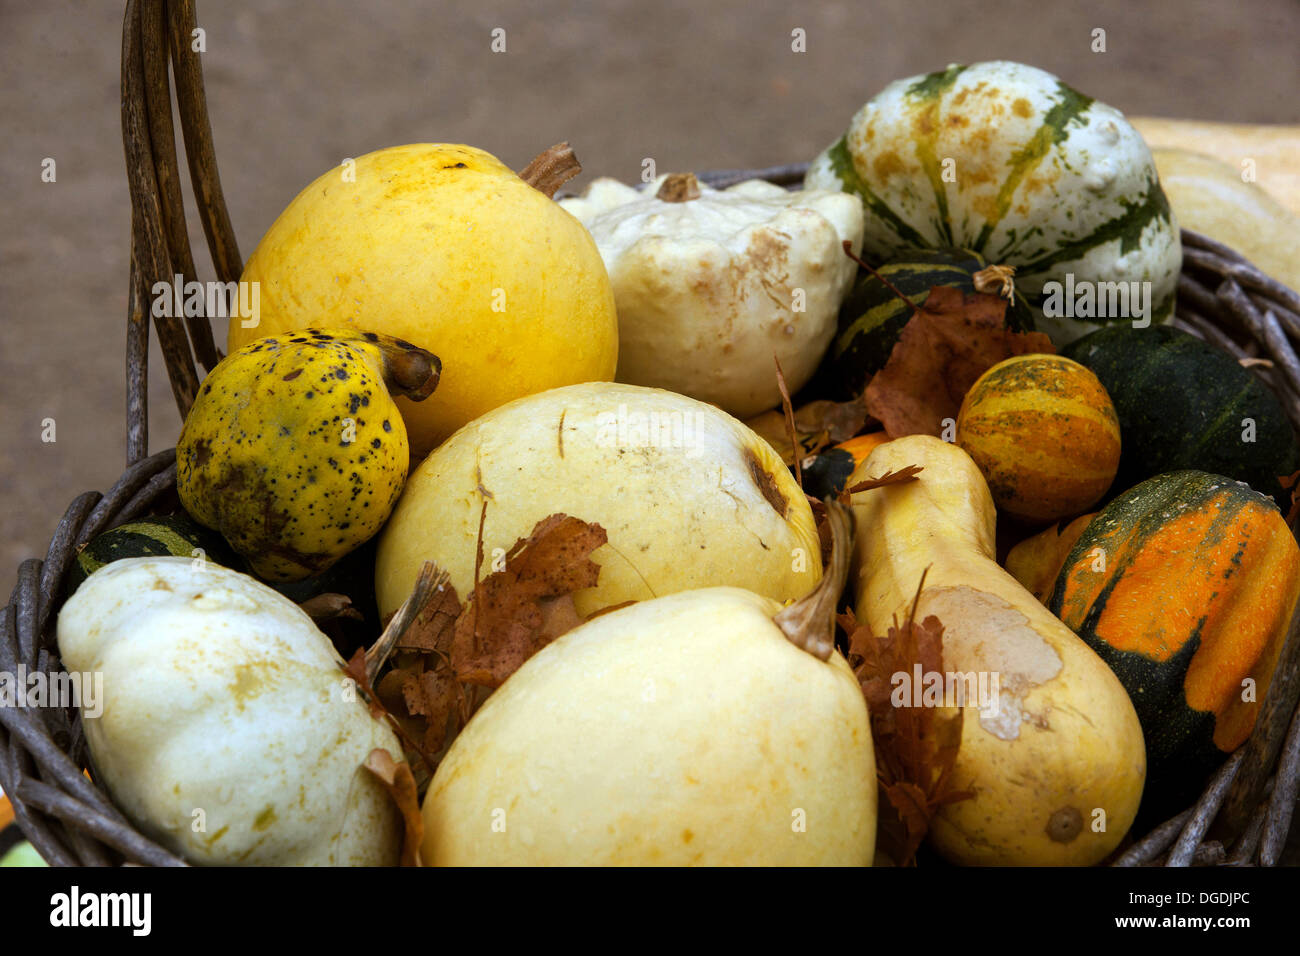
(1242, 818)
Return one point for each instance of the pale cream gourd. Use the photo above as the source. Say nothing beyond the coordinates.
(1210, 197)
(1267, 150)
(689, 497)
(687, 730)
(711, 284)
(1058, 765)
(228, 732)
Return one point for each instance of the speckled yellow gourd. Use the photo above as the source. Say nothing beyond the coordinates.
(446, 247)
(294, 449)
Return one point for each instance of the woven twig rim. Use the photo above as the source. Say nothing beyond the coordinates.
(67, 815)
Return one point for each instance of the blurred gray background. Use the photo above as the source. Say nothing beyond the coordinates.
(294, 87)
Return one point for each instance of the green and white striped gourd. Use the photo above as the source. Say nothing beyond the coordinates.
(1006, 160)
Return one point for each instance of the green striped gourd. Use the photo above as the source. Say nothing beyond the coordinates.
(1184, 403)
(1006, 160)
(873, 316)
(175, 535)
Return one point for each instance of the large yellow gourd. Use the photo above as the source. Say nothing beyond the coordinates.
(445, 247)
(1058, 770)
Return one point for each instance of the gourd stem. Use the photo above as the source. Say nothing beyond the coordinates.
(551, 169)
(679, 187)
(411, 371)
(996, 280)
(809, 623)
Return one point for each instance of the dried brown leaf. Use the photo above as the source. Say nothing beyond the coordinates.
(356, 669)
(400, 784)
(943, 349)
(902, 476)
(435, 695)
(839, 421)
(916, 746)
(450, 649)
(433, 626)
(912, 805)
(516, 611)
(330, 606)
(817, 425)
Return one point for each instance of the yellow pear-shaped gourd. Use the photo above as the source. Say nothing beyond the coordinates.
(1055, 757)
(445, 247)
(707, 727)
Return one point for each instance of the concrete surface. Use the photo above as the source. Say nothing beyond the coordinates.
(296, 87)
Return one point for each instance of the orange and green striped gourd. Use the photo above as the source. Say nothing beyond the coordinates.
(1185, 586)
(1044, 433)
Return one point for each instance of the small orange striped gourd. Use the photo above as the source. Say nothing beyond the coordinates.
(1044, 433)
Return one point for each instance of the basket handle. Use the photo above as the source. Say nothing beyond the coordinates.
(154, 33)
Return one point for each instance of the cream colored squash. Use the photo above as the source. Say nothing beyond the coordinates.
(1271, 149)
(687, 730)
(228, 732)
(711, 284)
(689, 497)
(1210, 197)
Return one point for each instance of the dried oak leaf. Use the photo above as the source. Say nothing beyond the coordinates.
(946, 345)
(510, 615)
(426, 691)
(915, 746)
(400, 784)
(516, 611)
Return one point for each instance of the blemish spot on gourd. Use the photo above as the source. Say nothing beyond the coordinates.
(250, 680)
(766, 483)
(1064, 825)
(985, 634)
(264, 819)
(887, 163)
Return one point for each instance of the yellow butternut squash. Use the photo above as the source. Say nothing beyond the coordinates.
(1053, 751)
